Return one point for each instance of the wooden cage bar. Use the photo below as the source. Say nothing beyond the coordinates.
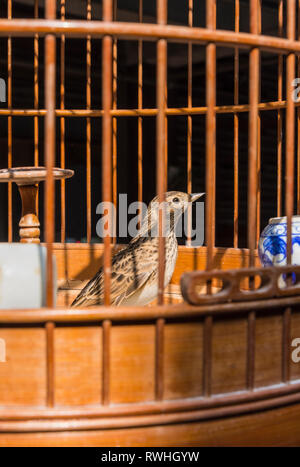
(159, 359)
(289, 177)
(290, 129)
(107, 141)
(150, 32)
(279, 115)
(88, 127)
(62, 127)
(36, 88)
(151, 112)
(50, 397)
(106, 330)
(253, 185)
(250, 371)
(114, 107)
(253, 132)
(286, 340)
(50, 146)
(189, 180)
(140, 106)
(161, 187)
(9, 121)
(236, 132)
(258, 168)
(210, 167)
(210, 183)
(161, 141)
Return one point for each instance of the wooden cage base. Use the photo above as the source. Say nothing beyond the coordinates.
(214, 375)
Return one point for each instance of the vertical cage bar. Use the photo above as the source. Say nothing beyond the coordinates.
(62, 126)
(236, 134)
(166, 133)
(140, 119)
(50, 363)
(210, 136)
(253, 133)
(50, 72)
(161, 140)
(207, 354)
(106, 329)
(286, 344)
(258, 172)
(159, 359)
(258, 168)
(88, 127)
(36, 88)
(107, 141)
(290, 129)
(210, 183)
(253, 186)
(189, 121)
(250, 373)
(161, 189)
(9, 123)
(279, 115)
(114, 119)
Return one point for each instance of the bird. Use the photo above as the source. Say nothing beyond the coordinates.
(134, 269)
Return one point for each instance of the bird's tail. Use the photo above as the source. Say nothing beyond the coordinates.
(79, 301)
(90, 295)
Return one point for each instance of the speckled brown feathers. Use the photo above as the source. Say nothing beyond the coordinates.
(134, 270)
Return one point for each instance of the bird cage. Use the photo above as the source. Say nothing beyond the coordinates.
(142, 98)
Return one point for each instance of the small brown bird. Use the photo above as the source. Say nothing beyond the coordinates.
(134, 269)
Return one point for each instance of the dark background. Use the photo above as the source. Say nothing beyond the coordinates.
(75, 82)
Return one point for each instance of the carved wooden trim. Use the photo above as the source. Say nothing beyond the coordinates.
(231, 290)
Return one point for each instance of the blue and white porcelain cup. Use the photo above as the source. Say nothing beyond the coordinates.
(23, 276)
(272, 242)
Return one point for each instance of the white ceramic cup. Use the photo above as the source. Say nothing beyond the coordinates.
(23, 276)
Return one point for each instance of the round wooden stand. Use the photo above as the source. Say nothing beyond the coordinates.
(27, 179)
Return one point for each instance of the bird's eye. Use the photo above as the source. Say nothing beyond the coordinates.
(175, 200)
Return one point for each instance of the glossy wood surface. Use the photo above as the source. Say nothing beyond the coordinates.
(131, 407)
(80, 261)
(279, 427)
(102, 370)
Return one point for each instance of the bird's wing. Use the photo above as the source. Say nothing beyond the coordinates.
(91, 294)
(129, 273)
(133, 284)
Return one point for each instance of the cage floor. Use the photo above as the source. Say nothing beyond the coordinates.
(68, 291)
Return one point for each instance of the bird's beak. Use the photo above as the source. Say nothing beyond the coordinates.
(195, 196)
